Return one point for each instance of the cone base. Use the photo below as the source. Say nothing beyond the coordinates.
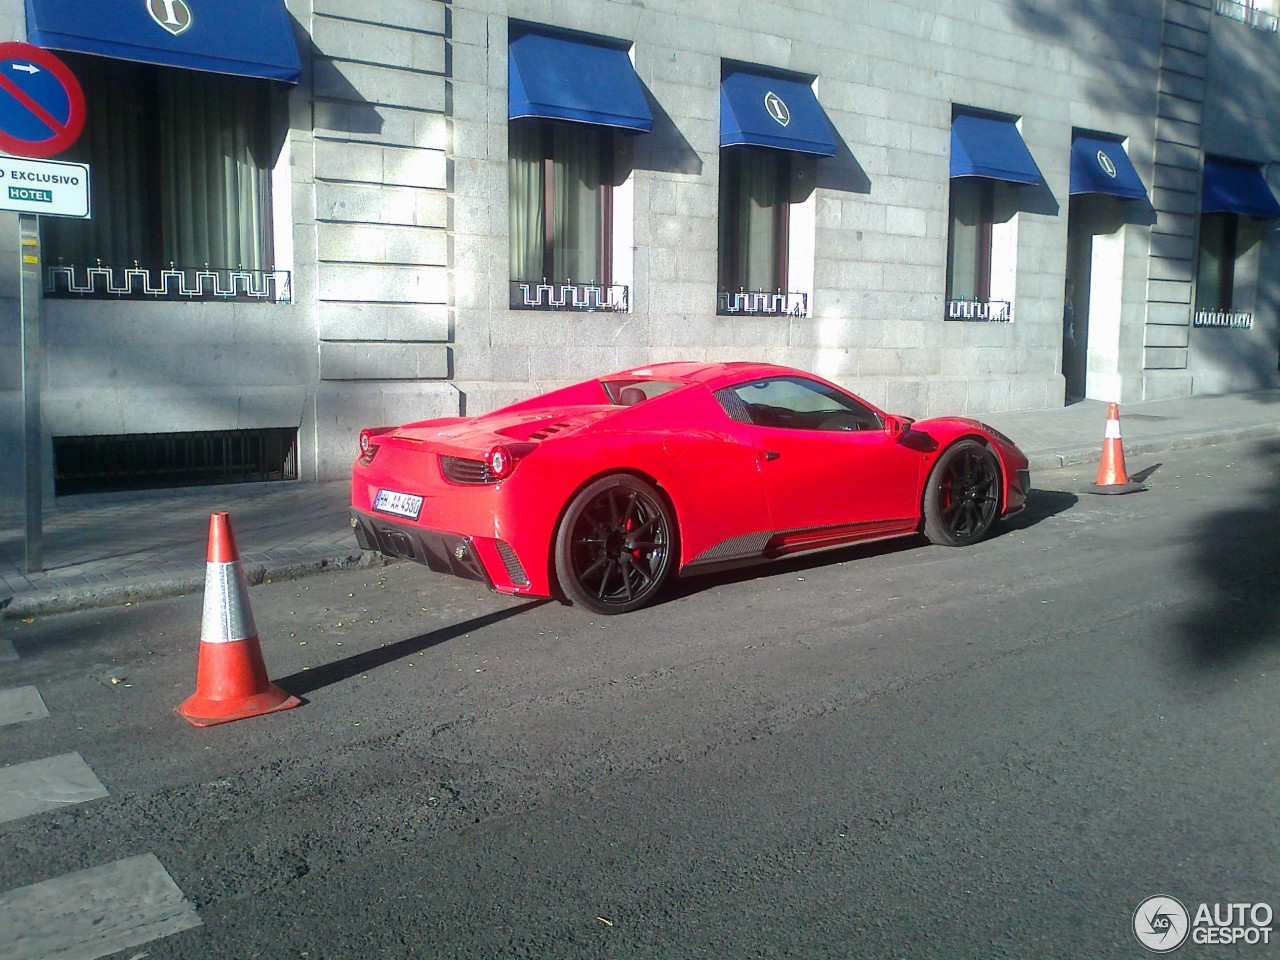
(200, 711)
(1112, 489)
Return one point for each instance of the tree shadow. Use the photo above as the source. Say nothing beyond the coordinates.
(1236, 558)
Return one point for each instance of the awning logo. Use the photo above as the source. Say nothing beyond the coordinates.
(777, 108)
(172, 15)
(1107, 166)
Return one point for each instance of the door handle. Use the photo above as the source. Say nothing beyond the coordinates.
(771, 455)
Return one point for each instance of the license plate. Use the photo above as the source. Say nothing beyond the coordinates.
(401, 504)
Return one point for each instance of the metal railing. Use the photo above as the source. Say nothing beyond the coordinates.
(103, 281)
(1230, 319)
(1250, 12)
(980, 311)
(762, 303)
(580, 297)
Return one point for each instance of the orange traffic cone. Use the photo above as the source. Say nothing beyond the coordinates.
(1111, 473)
(231, 679)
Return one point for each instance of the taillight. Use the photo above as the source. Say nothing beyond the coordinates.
(501, 460)
(368, 444)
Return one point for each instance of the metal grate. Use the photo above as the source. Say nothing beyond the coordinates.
(462, 470)
(515, 569)
(147, 461)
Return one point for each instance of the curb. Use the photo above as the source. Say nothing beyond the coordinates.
(68, 599)
(1084, 455)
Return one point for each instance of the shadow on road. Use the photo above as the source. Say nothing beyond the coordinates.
(1236, 557)
(308, 681)
(1041, 505)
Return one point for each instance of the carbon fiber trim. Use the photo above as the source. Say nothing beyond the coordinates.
(735, 548)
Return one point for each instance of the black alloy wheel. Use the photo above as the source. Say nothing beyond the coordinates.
(962, 497)
(615, 545)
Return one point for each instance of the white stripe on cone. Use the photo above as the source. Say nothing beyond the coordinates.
(1113, 430)
(227, 617)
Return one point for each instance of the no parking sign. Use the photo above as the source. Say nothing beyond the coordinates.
(41, 103)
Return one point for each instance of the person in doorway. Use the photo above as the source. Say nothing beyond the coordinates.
(1068, 317)
(1069, 342)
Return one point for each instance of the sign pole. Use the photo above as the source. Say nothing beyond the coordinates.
(29, 312)
(42, 113)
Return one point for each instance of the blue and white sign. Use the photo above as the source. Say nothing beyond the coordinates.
(50, 188)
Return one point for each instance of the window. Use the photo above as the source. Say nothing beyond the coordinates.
(1261, 14)
(1215, 280)
(796, 403)
(181, 163)
(561, 203)
(969, 239)
(754, 208)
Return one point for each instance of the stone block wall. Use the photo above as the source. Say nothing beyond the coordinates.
(379, 234)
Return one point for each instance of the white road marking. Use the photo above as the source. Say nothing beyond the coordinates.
(6, 650)
(95, 912)
(48, 784)
(19, 704)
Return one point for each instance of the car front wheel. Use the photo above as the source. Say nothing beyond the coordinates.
(962, 497)
(615, 545)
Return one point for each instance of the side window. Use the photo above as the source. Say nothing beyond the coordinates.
(181, 183)
(798, 404)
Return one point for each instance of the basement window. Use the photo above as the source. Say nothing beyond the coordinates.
(149, 461)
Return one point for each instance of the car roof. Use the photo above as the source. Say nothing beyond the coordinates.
(712, 374)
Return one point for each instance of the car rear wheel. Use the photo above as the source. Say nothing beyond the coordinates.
(615, 545)
(962, 497)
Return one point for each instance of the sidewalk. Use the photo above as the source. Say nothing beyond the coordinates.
(101, 551)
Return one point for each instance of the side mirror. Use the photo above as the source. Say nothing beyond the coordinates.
(895, 427)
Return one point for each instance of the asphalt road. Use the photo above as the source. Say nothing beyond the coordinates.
(895, 751)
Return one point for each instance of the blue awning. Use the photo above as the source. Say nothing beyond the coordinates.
(248, 38)
(764, 111)
(1102, 166)
(1235, 186)
(991, 148)
(559, 78)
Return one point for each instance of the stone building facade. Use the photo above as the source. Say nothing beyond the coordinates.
(386, 200)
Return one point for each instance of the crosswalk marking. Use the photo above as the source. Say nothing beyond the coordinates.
(48, 784)
(95, 912)
(20, 704)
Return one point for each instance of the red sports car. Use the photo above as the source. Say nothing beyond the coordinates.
(598, 492)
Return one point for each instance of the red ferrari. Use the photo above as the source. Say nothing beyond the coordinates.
(598, 492)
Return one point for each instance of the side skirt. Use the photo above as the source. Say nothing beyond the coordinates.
(754, 548)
